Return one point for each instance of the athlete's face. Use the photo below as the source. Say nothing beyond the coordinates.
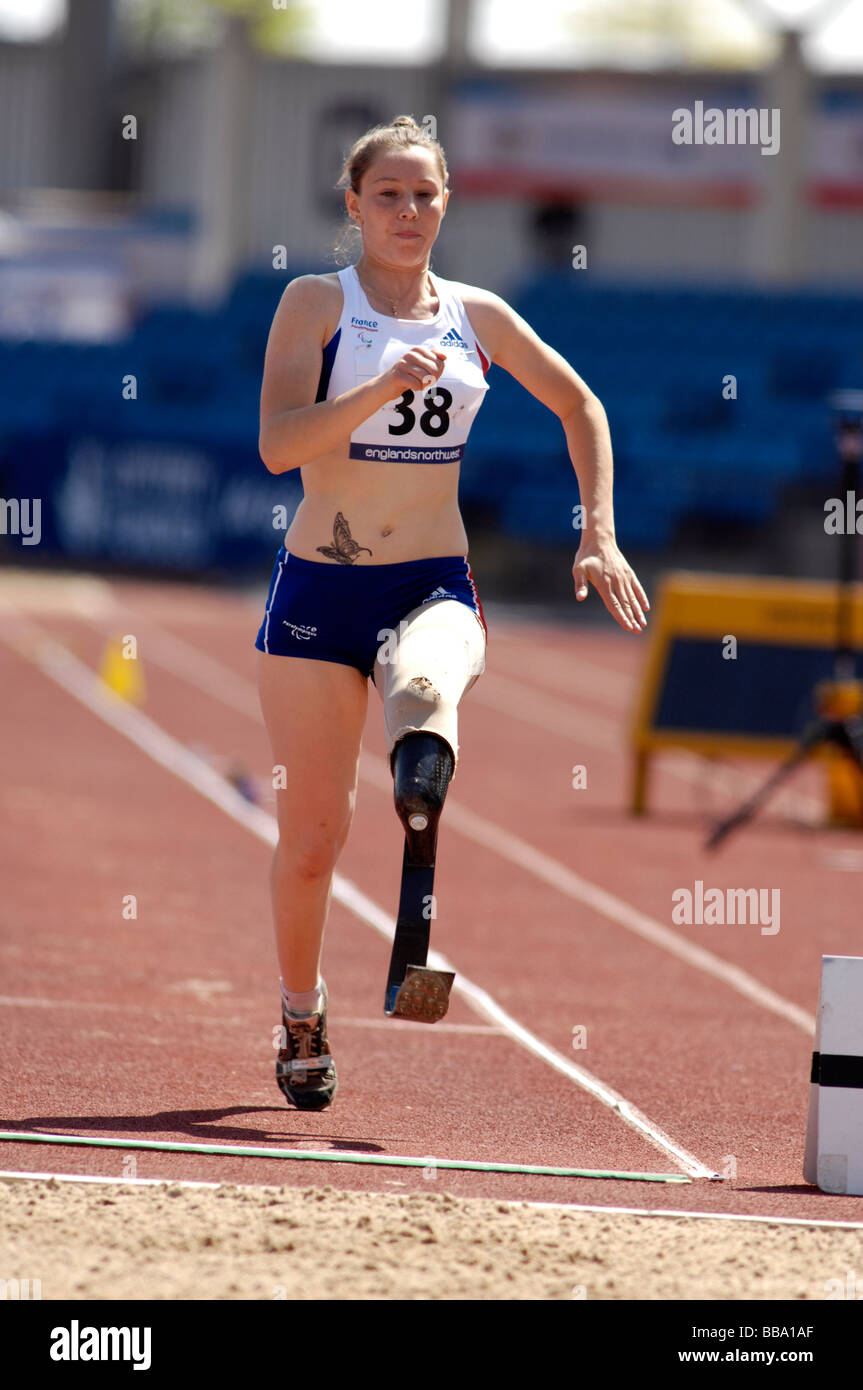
(400, 205)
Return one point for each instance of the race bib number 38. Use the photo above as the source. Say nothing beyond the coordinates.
(428, 426)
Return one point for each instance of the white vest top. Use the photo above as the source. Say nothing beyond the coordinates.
(428, 426)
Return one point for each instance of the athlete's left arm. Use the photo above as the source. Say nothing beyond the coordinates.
(542, 371)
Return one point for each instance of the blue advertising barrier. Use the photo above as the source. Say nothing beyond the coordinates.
(147, 501)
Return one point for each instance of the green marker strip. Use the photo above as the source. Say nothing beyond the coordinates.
(316, 1156)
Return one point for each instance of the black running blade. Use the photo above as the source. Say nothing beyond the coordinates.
(413, 925)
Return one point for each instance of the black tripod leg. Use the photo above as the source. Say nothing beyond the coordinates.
(848, 733)
(817, 732)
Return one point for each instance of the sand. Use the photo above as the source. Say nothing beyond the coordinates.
(90, 1241)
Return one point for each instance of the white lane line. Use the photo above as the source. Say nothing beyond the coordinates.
(604, 685)
(196, 666)
(500, 692)
(499, 841)
(548, 712)
(572, 676)
(565, 880)
(13, 1176)
(567, 671)
(154, 1010)
(536, 707)
(77, 679)
(75, 595)
(365, 908)
(158, 1011)
(558, 876)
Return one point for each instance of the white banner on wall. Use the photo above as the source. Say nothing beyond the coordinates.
(689, 144)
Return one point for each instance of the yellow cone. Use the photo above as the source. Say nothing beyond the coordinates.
(122, 672)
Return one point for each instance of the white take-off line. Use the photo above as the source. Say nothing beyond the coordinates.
(77, 679)
(756, 1217)
(179, 657)
(11, 1175)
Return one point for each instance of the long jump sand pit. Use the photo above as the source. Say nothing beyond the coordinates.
(96, 1241)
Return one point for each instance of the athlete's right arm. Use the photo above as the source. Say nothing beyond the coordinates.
(294, 428)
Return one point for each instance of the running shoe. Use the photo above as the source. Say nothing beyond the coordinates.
(305, 1071)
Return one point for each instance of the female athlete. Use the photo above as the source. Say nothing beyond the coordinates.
(372, 378)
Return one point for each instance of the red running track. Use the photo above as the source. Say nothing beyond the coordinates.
(161, 1027)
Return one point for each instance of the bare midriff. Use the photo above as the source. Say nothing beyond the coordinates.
(375, 513)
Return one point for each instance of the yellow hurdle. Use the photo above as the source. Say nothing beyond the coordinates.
(746, 619)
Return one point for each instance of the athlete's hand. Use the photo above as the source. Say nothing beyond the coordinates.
(601, 563)
(419, 368)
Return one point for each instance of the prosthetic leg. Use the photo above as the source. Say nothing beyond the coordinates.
(439, 654)
(422, 765)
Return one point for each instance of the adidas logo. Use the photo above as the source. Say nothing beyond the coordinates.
(454, 339)
(439, 592)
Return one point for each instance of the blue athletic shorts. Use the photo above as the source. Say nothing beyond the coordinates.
(335, 612)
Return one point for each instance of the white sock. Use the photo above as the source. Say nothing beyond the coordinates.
(303, 1002)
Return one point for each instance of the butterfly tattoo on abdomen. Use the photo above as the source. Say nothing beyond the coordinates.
(344, 548)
